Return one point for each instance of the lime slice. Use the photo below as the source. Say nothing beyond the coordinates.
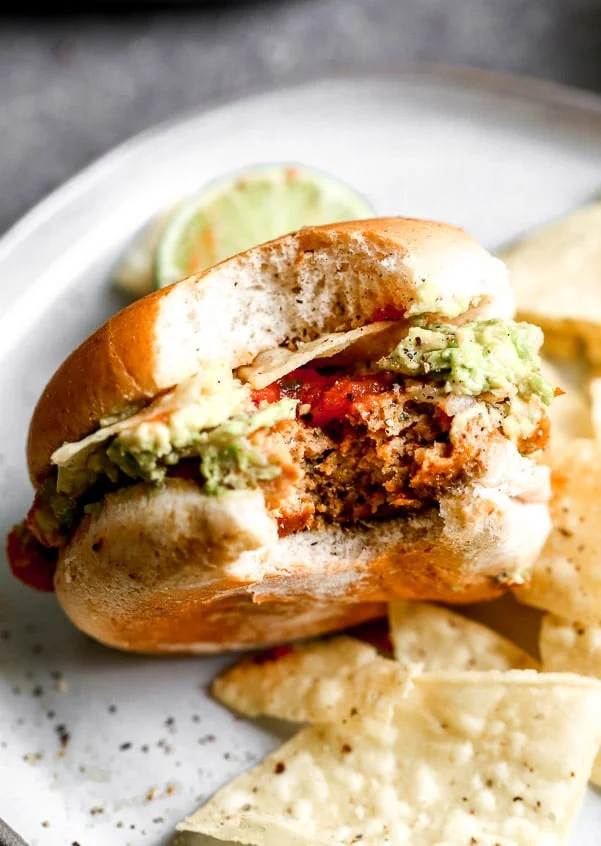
(248, 208)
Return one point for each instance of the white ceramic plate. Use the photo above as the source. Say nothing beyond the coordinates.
(145, 743)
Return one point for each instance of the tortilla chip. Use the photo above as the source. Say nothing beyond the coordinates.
(441, 639)
(568, 647)
(324, 681)
(567, 577)
(470, 757)
(556, 275)
(570, 413)
(273, 364)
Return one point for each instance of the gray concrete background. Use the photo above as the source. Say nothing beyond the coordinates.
(73, 85)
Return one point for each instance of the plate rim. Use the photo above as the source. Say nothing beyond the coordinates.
(516, 86)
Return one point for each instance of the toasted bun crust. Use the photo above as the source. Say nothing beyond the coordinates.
(317, 280)
(179, 571)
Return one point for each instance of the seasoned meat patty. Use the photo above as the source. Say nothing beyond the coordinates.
(389, 455)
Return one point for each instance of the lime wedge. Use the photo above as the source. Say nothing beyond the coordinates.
(248, 208)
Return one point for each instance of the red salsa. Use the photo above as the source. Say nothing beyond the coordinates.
(330, 397)
(31, 563)
(387, 313)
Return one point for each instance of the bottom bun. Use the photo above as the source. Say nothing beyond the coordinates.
(229, 624)
(174, 570)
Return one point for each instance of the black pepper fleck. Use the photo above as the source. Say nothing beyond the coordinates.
(63, 735)
(279, 768)
(125, 746)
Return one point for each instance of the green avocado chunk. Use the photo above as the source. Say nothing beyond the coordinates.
(484, 356)
(227, 458)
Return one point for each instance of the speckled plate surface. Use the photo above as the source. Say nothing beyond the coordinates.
(99, 747)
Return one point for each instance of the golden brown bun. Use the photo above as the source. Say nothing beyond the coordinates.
(172, 569)
(177, 570)
(318, 280)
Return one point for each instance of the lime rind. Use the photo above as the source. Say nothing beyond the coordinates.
(247, 208)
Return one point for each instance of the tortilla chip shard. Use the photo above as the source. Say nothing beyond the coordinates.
(441, 639)
(469, 755)
(556, 274)
(566, 579)
(322, 681)
(568, 647)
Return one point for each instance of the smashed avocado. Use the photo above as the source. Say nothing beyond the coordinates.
(484, 356)
(227, 458)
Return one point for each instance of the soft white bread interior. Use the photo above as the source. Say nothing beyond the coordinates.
(176, 570)
(317, 280)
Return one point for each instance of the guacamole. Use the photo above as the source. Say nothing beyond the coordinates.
(227, 458)
(485, 356)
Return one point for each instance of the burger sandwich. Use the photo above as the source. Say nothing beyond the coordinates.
(278, 445)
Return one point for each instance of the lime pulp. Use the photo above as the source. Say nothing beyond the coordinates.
(251, 207)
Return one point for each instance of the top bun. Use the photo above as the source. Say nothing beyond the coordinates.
(317, 280)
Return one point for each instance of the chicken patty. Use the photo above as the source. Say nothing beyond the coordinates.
(390, 455)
